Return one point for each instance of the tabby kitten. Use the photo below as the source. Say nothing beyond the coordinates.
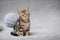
(22, 26)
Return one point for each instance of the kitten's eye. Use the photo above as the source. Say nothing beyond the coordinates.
(26, 14)
(22, 15)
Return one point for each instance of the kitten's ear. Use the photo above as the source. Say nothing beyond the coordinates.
(27, 7)
(18, 11)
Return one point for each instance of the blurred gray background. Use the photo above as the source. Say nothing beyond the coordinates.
(45, 18)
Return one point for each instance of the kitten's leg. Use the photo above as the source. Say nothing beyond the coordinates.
(27, 32)
(20, 32)
(24, 33)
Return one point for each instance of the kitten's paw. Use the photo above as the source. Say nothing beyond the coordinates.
(27, 33)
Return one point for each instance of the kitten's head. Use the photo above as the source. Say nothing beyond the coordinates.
(24, 14)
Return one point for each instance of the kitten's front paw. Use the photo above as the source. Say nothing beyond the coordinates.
(27, 33)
